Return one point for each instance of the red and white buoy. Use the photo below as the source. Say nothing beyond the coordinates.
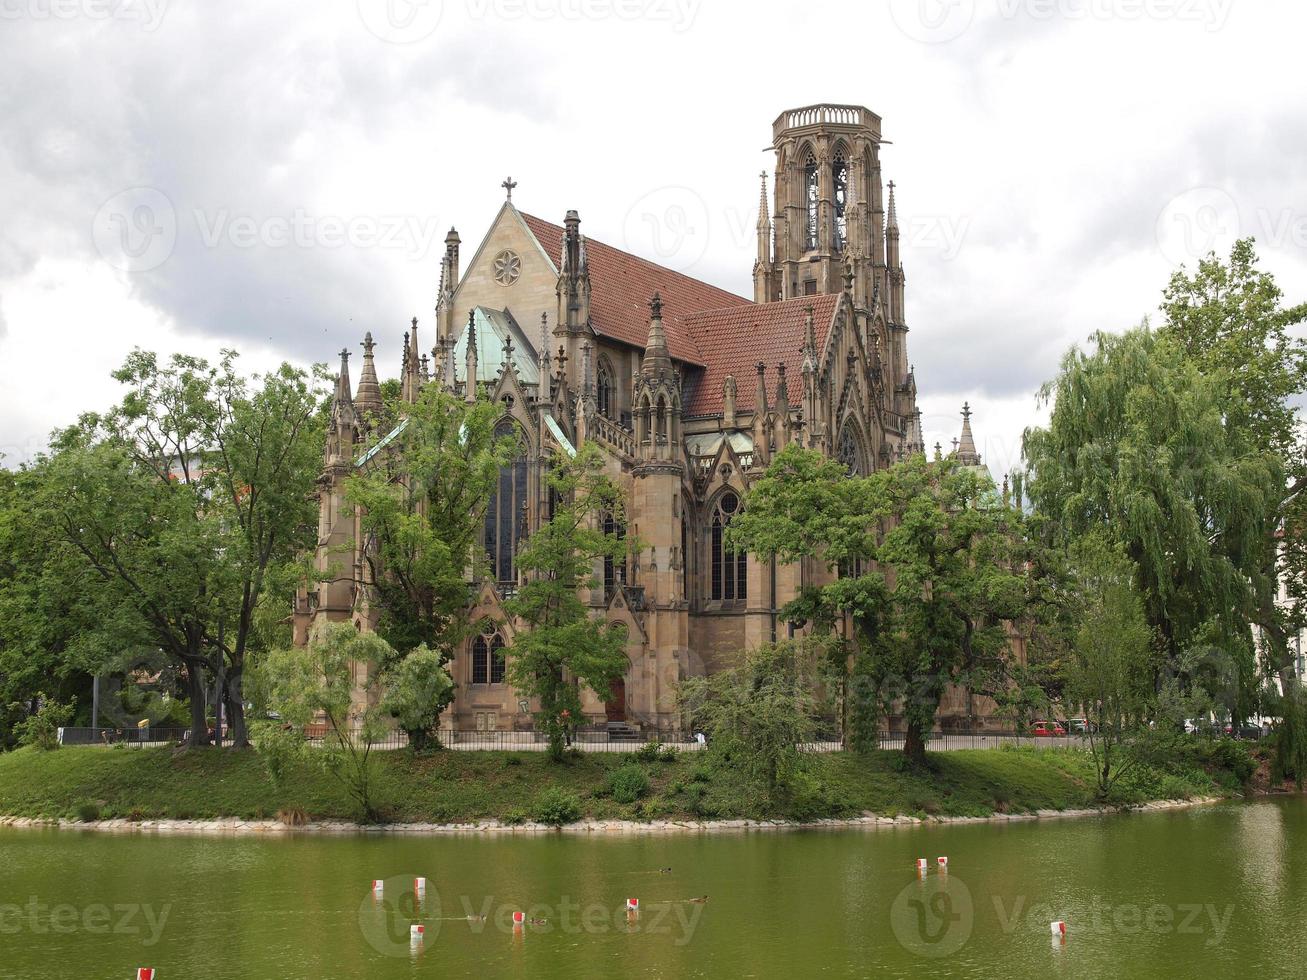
(1058, 929)
(416, 931)
(922, 866)
(419, 885)
(519, 918)
(145, 973)
(942, 862)
(378, 886)
(632, 905)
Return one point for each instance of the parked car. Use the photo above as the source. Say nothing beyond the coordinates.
(1080, 726)
(1047, 729)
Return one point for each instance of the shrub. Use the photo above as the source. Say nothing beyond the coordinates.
(512, 760)
(88, 812)
(515, 816)
(649, 751)
(669, 754)
(556, 807)
(42, 728)
(702, 773)
(628, 783)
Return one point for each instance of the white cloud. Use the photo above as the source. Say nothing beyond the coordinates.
(1037, 151)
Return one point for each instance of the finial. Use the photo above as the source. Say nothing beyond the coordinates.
(656, 306)
(508, 348)
(508, 185)
(344, 355)
(966, 411)
(368, 344)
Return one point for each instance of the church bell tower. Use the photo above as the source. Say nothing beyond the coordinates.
(828, 206)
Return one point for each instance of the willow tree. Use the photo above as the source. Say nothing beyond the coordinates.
(1138, 448)
(1229, 320)
(931, 568)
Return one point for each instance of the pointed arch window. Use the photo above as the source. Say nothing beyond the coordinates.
(849, 452)
(615, 572)
(840, 183)
(812, 197)
(505, 522)
(606, 390)
(488, 664)
(729, 568)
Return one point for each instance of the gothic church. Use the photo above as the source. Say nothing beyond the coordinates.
(688, 389)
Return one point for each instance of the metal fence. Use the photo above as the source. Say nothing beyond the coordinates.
(585, 740)
(136, 737)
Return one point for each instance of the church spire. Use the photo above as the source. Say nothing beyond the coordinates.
(761, 437)
(966, 446)
(343, 387)
(369, 393)
(542, 355)
(470, 377)
(657, 360)
(762, 265)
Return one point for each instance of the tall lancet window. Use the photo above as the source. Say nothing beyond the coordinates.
(606, 390)
(729, 567)
(505, 524)
(840, 182)
(812, 198)
(615, 571)
(488, 665)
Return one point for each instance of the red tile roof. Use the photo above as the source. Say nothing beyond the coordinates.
(737, 338)
(621, 285)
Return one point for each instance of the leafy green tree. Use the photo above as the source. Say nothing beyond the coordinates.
(956, 555)
(1139, 448)
(418, 687)
(759, 713)
(37, 622)
(254, 452)
(422, 501)
(1110, 671)
(562, 646)
(131, 555)
(321, 683)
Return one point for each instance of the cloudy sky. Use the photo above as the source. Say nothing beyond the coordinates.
(279, 176)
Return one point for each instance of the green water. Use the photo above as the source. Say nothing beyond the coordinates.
(1212, 891)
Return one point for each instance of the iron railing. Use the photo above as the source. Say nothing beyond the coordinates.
(589, 739)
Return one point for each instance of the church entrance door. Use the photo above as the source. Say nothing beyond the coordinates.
(615, 706)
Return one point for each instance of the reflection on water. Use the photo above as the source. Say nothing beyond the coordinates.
(1212, 891)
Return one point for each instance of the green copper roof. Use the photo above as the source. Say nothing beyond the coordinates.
(492, 327)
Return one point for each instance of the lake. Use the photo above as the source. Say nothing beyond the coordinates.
(1207, 891)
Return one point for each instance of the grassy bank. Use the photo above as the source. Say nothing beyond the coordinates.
(90, 783)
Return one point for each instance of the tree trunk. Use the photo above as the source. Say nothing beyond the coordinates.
(195, 691)
(235, 702)
(914, 742)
